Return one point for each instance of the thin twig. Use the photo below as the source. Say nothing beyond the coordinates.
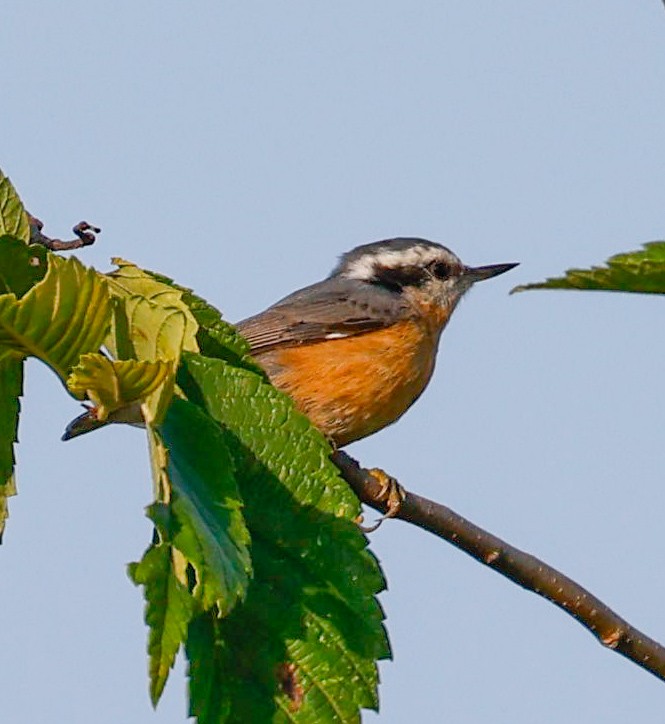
(85, 236)
(524, 569)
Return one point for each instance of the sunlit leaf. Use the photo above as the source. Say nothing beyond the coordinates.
(215, 336)
(150, 322)
(637, 271)
(11, 388)
(113, 384)
(131, 282)
(13, 219)
(7, 490)
(62, 317)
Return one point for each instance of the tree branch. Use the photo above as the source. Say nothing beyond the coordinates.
(526, 570)
(85, 235)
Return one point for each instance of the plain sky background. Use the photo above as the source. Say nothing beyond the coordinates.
(240, 147)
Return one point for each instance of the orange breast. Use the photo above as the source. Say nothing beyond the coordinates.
(354, 386)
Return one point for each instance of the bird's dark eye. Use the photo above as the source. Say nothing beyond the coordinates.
(440, 269)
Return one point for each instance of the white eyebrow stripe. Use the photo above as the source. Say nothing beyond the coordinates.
(365, 267)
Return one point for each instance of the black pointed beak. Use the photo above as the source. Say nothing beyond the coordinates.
(478, 273)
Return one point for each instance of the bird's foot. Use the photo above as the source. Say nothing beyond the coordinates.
(391, 493)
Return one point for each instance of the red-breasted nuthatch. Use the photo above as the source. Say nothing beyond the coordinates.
(357, 349)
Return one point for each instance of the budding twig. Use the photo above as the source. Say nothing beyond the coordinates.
(84, 232)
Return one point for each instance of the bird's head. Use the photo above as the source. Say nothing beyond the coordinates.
(424, 272)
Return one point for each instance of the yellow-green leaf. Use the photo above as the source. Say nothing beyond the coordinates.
(113, 384)
(13, 219)
(131, 284)
(62, 317)
(150, 322)
(6, 491)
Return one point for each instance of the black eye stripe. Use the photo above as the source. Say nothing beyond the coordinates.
(396, 278)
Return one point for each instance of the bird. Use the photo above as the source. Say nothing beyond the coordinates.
(357, 349)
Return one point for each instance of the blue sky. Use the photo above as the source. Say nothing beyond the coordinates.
(240, 148)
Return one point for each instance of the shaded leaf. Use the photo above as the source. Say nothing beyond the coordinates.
(113, 384)
(62, 317)
(205, 501)
(637, 271)
(311, 606)
(209, 692)
(11, 388)
(202, 558)
(168, 611)
(13, 219)
(21, 265)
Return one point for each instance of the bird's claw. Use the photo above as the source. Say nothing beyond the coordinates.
(391, 493)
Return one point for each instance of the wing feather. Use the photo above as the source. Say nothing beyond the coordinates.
(330, 309)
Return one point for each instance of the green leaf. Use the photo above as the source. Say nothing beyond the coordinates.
(216, 337)
(7, 490)
(637, 271)
(201, 561)
(113, 384)
(62, 317)
(137, 286)
(169, 609)
(150, 322)
(11, 388)
(303, 646)
(13, 219)
(205, 501)
(21, 265)
(209, 693)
